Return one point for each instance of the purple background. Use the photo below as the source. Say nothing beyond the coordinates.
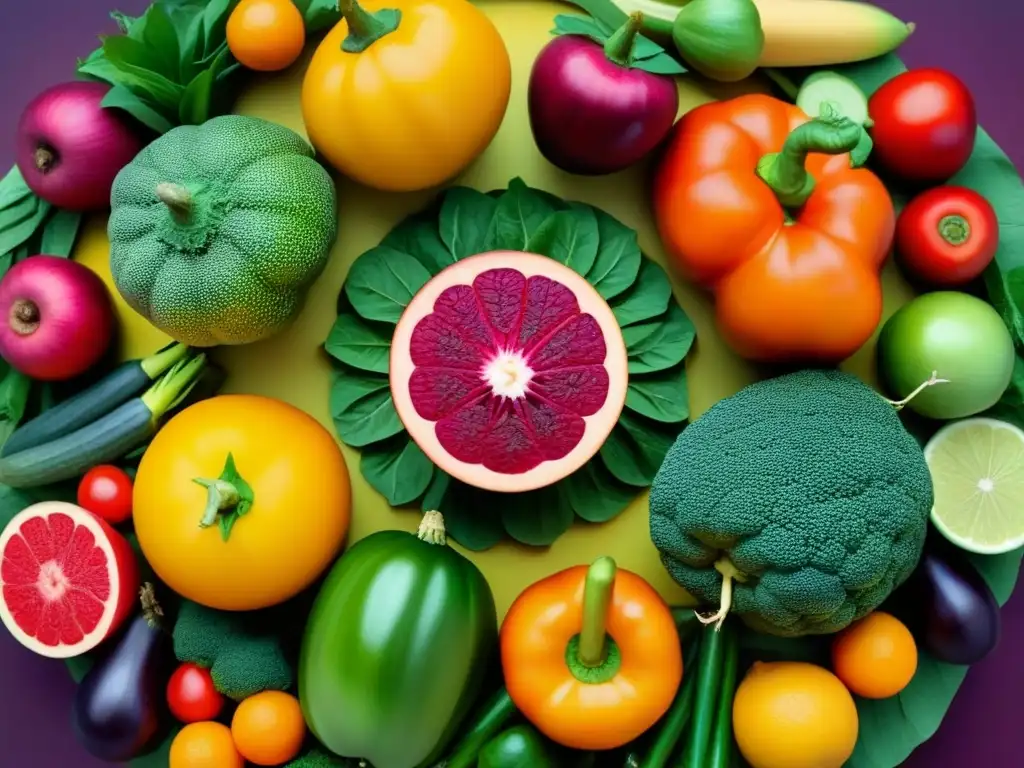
(42, 40)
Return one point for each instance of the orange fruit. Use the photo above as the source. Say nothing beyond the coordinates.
(266, 35)
(268, 728)
(205, 745)
(791, 714)
(875, 657)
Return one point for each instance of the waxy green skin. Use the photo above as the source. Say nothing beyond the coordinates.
(395, 650)
(521, 746)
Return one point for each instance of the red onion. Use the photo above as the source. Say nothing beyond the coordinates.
(69, 148)
(59, 318)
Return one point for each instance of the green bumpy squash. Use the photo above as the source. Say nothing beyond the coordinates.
(218, 230)
(396, 648)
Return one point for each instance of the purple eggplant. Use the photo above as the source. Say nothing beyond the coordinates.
(120, 704)
(594, 109)
(948, 607)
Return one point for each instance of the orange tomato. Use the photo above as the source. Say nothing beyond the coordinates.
(268, 728)
(791, 283)
(600, 713)
(415, 106)
(204, 745)
(875, 657)
(294, 472)
(794, 715)
(266, 35)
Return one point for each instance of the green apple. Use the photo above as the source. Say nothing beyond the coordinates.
(955, 335)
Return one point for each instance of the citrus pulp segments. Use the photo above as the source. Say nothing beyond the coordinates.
(68, 580)
(554, 352)
(977, 468)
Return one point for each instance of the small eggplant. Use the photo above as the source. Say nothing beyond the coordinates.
(595, 109)
(948, 607)
(120, 703)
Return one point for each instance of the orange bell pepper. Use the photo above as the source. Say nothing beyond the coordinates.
(763, 206)
(591, 656)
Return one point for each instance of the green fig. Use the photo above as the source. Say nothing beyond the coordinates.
(721, 39)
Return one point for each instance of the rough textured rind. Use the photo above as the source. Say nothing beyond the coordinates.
(811, 486)
(263, 223)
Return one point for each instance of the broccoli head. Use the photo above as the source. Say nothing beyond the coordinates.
(242, 650)
(799, 503)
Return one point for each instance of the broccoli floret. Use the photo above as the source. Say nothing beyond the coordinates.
(243, 653)
(803, 496)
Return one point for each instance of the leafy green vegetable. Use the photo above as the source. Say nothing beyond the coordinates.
(461, 223)
(647, 55)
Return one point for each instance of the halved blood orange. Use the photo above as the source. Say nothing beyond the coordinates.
(67, 579)
(508, 370)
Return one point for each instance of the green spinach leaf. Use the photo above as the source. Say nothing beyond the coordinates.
(397, 469)
(594, 494)
(418, 236)
(434, 497)
(360, 344)
(119, 97)
(636, 447)
(13, 188)
(60, 232)
(662, 396)
(15, 389)
(569, 237)
(15, 234)
(194, 108)
(618, 257)
(465, 219)
(319, 14)
(520, 211)
(382, 282)
(215, 22)
(161, 39)
(648, 297)
(668, 342)
(362, 408)
(472, 517)
(537, 518)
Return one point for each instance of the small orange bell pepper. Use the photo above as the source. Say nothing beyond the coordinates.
(763, 206)
(591, 656)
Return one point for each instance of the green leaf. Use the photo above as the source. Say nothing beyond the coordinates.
(464, 221)
(15, 389)
(569, 237)
(161, 38)
(661, 396)
(19, 212)
(397, 469)
(618, 257)
(584, 26)
(319, 14)
(636, 447)
(660, 344)
(661, 63)
(537, 518)
(99, 67)
(594, 493)
(119, 97)
(13, 188)
(382, 282)
(194, 108)
(472, 516)
(14, 234)
(60, 232)
(359, 344)
(647, 298)
(215, 22)
(226, 517)
(519, 213)
(434, 497)
(1010, 407)
(418, 236)
(125, 54)
(362, 408)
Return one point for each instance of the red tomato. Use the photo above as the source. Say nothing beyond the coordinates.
(106, 491)
(924, 125)
(192, 696)
(946, 236)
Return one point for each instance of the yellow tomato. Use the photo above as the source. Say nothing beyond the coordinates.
(415, 106)
(202, 538)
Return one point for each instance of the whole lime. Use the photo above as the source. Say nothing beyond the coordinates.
(955, 335)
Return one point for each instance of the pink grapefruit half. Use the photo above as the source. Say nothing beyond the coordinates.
(67, 579)
(508, 370)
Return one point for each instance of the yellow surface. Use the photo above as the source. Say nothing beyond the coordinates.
(292, 366)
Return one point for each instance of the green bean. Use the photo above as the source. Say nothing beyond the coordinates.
(708, 684)
(674, 722)
(721, 735)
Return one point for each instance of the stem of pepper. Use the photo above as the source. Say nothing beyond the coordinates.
(366, 28)
(431, 528)
(786, 172)
(177, 199)
(619, 48)
(597, 600)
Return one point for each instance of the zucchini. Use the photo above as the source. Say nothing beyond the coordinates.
(106, 440)
(126, 381)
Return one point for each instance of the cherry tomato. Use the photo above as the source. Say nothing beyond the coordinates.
(106, 491)
(924, 125)
(192, 696)
(946, 236)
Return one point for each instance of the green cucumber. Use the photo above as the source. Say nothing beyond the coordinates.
(126, 381)
(721, 733)
(105, 440)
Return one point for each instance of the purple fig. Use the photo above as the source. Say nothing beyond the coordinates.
(593, 109)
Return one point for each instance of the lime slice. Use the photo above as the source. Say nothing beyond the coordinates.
(977, 468)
